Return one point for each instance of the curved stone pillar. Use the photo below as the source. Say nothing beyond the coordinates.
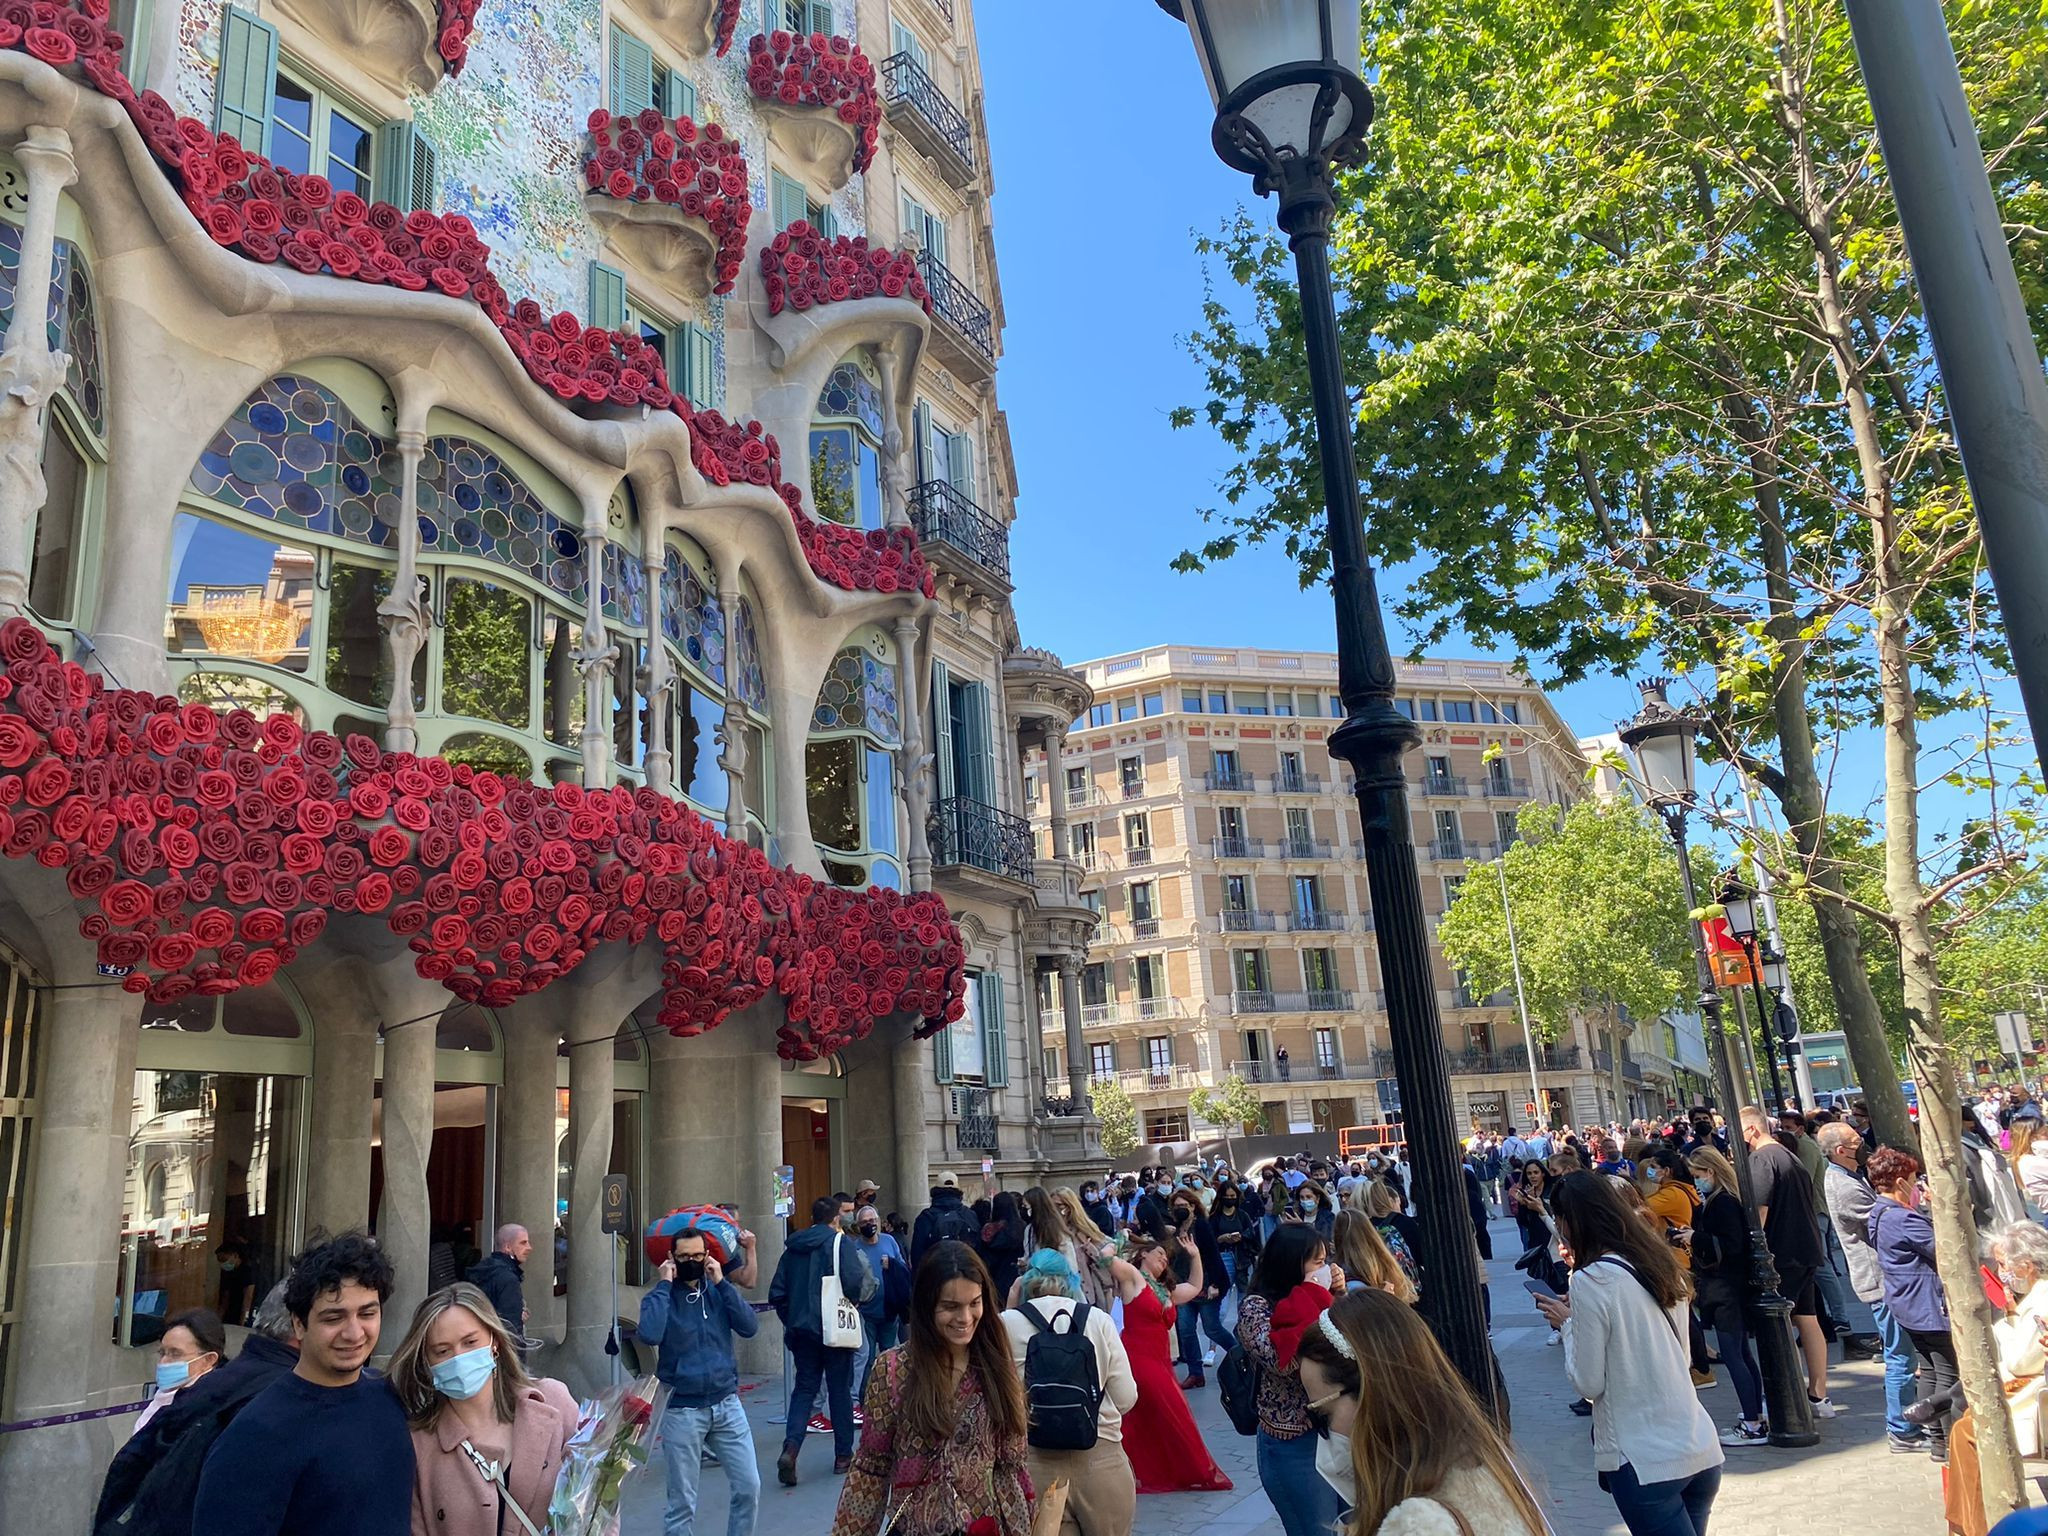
(526, 1149)
(403, 1217)
(591, 1253)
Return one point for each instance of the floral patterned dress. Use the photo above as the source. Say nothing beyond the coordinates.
(973, 1483)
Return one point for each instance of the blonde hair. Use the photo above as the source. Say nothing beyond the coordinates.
(1717, 1169)
(1358, 1247)
(1377, 1198)
(2022, 1141)
(412, 1377)
(1083, 1231)
(1417, 1421)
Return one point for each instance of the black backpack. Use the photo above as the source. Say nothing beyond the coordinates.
(1237, 1383)
(1061, 1386)
(956, 1223)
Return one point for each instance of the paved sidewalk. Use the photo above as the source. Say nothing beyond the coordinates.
(1851, 1478)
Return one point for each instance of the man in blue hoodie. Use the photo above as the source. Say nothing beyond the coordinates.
(696, 1313)
(819, 1250)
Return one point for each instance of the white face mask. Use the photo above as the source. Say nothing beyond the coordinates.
(1333, 1461)
(1321, 1275)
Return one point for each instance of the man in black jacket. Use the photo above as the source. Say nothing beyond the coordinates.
(154, 1479)
(821, 1249)
(946, 1217)
(502, 1276)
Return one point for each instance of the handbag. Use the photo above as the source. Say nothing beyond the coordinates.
(838, 1314)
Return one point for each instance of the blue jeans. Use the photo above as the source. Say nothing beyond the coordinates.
(1307, 1505)
(881, 1335)
(1675, 1508)
(1832, 1279)
(1899, 1368)
(1195, 1319)
(686, 1434)
(834, 1367)
(1732, 1339)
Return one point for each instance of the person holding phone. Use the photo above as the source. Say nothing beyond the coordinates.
(1624, 1351)
(692, 1316)
(1295, 1259)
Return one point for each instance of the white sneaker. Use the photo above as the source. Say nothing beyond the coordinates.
(1823, 1408)
(1208, 1358)
(1555, 1338)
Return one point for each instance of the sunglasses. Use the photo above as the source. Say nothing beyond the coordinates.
(1318, 1409)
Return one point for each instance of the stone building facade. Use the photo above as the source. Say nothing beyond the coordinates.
(584, 393)
(1219, 841)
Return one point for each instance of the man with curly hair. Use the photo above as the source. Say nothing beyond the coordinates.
(324, 1450)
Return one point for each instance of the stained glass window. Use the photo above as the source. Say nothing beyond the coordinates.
(852, 394)
(73, 319)
(691, 617)
(295, 454)
(625, 585)
(748, 679)
(471, 503)
(859, 695)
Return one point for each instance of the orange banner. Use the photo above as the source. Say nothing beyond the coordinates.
(1733, 966)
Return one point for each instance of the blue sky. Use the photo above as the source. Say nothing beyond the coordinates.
(1103, 176)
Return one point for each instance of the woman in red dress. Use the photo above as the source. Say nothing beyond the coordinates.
(1166, 1450)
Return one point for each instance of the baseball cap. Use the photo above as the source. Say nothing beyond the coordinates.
(867, 1184)
(948, 1181)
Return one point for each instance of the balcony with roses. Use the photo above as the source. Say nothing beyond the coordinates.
(819, 98)
(403, 45)
(670, 196)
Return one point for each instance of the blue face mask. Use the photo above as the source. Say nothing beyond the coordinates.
(1705, 1187)
(463, 1376)
(172, 1373)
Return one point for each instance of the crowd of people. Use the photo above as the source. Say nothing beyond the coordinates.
(986, 1351)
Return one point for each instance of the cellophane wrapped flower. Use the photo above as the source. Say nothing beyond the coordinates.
(613, 1440)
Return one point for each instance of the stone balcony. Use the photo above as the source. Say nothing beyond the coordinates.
(645, 185)
(696, 26)
(396, 43)
(820, 104)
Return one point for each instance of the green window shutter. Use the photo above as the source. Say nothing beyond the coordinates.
(248, 76)
(924, 436)
(960, 460)
(788, 201)
(828, 222)
(607, 297)
(942, 1055)
(819, 18)
(995, 1054)
(978, 752)
(696, 367)
(682, 98)
(942, 728)
(408, 168)
(632, 74)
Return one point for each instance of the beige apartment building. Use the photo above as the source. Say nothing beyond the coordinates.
(1221, 843)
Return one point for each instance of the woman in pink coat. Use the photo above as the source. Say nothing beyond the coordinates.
(481, 1427)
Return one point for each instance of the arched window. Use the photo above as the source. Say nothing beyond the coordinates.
(693, 629)
(848, 430)
(74, 437)
(850, 764)
(286, 550)
(750, 685)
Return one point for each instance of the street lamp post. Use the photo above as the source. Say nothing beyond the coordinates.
(1662, 740)
(1739, 901)
(1290, 108)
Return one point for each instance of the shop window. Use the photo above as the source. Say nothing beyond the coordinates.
(212, 1166)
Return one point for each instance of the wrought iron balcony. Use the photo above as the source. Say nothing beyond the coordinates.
(1085, 795)
(1496, 788)
(945, 518)
(969, 834)
(1306, 848)
(1144, 927)
(1445, 784)
(927, 116)
(1320, 922)
(1226, 778)
(1136, 856)
(1297, 784)
(1237, 847)
(979, 1126)
(1320, 1001)
(966, 329)
(1134, 789)
(1240, 920)
(1451, 849)
(1333, 1070)
(1549, 1058)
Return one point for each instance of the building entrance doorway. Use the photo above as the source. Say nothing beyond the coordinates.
(807, 1147)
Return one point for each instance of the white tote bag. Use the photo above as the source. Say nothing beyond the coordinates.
(838, 1313)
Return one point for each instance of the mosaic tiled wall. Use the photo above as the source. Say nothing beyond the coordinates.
(510, 133)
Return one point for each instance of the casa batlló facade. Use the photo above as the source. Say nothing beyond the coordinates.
(509, 672)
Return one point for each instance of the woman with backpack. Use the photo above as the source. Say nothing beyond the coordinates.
(1166, 1450)
(944, 1442)
(1002, 1240)
(1295, 1260)
(1073, 1361)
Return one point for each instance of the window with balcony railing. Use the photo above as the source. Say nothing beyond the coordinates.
(955, 305)
(917, 106)
(967, 832)
(945, 515)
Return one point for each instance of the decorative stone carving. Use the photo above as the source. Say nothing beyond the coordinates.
(394, 42)
(30, 373)
(406, 614)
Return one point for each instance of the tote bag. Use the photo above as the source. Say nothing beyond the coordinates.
(838, 1313)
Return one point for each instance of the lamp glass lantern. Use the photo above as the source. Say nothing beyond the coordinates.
(1288, 69)
(1738, 901)
(1776, 976)
(1662, 740)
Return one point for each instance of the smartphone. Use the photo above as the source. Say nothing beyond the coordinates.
(1541, 1288)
